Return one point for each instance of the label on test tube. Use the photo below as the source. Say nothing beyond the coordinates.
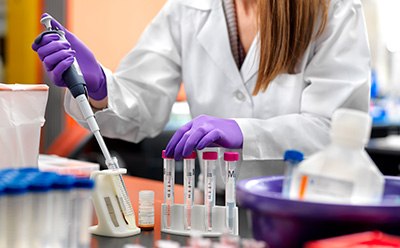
(210, 159)
(188, 185)
(169, 183)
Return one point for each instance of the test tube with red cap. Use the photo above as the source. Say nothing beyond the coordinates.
(169, 183)
(231, 159)
(210, 160)
(188, 186)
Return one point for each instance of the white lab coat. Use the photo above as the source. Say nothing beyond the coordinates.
(188, 42)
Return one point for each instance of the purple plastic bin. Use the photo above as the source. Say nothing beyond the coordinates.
(289, 223)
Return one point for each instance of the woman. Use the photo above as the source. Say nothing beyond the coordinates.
(261, 76)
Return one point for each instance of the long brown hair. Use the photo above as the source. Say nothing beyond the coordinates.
(286, 29)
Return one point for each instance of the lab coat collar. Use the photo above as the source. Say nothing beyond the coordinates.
(251, 62)
(221, 54)
(201, 4)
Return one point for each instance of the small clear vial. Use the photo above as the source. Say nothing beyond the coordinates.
(146, 210)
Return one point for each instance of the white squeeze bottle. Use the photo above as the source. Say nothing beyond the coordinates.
(343, 172)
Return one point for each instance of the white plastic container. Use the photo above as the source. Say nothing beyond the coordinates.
(342, 172)
(22, 109)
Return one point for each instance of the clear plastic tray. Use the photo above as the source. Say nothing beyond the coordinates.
(66, 166)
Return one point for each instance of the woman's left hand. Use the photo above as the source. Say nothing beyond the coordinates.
(204, 131)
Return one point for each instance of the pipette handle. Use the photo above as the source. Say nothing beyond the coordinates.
(75, 82)
(73, 77)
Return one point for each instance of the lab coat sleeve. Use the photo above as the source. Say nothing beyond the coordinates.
(337, 76)
(144, 87)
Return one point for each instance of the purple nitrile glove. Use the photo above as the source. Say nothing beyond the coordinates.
(201, 132)
(58, 55)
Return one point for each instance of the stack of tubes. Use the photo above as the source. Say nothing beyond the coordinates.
(44, 209)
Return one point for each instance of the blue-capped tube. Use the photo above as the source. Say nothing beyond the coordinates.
(81, 215)
(40, 222)
(292, 159)
(17, 211)
(61, 194)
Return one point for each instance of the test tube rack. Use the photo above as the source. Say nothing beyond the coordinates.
(198, 223)
(111, 222)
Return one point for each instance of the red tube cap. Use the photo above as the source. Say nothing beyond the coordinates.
(231, 156)
(165, 155)
(210, 155)
(191, 156)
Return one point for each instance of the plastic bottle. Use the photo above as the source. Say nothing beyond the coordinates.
(146, 210)
(342, 172)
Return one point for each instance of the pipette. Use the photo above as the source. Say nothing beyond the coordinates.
(76, 84)
(231, 159)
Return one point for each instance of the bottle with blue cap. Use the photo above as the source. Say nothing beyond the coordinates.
(292, 159)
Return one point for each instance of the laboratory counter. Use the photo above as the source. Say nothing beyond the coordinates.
(148, 238)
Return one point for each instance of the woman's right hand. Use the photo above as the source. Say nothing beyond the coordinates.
(58, 55)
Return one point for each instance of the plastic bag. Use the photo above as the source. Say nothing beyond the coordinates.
(22, 108)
